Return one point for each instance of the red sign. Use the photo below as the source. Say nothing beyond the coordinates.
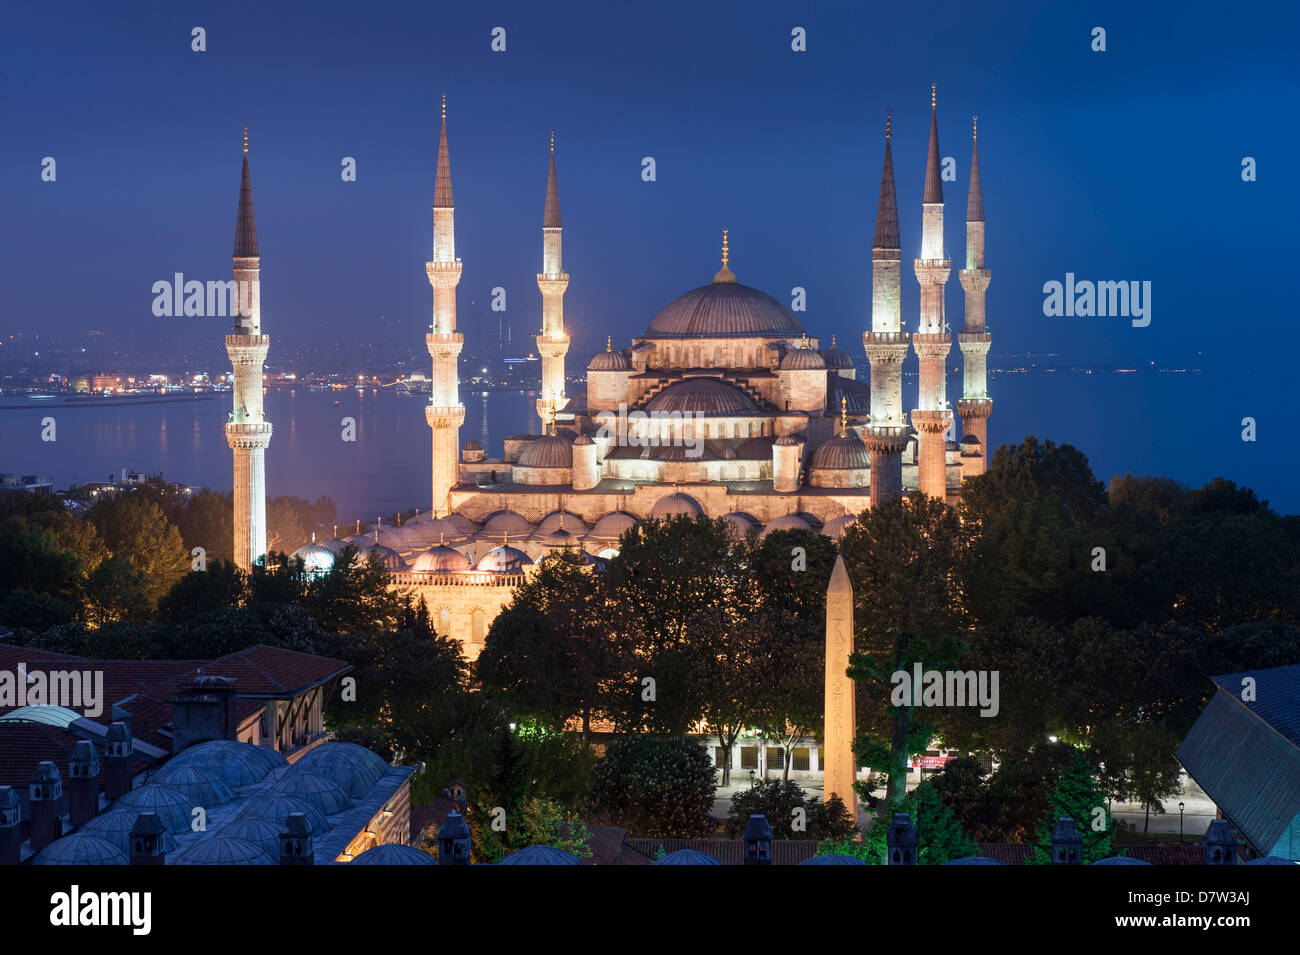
(931, 762)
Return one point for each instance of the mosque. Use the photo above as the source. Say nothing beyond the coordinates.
(723, 407)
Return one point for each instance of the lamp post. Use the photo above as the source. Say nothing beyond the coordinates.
(1180, 823)
(751, 779)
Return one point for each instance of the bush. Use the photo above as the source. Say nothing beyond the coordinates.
(654, 786)
(779, 800)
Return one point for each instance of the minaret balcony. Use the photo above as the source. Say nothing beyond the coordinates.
(248, 436)
(444, 416)
(248, 341)
(975, 342)
(974, 407)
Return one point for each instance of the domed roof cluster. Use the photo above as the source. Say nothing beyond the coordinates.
(353, 767)
(237, 764)
(704, 396)
(724, 309)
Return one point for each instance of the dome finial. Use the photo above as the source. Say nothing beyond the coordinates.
(725, 274)
(889, 123)
(444, 107)
(609, 343)
(832, 339)
(552, 142)
(844, 414)
(804, 343)
(245, 139)
(726, 255)
(313, 537)
(974, 128)
(933, 95)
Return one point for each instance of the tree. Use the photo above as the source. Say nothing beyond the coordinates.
(790, 671)
(940, 836)
(135, 529)
(1078, 795)
(902, 558)
(654, 786)
(790, 813)
(222, 584)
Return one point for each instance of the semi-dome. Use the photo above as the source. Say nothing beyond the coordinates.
(507, 522)
(675, 505)
(548, 451)
(353, 767)
(202, 786)
(440, 560)
(704, 396)
(82, 848)
(238, 764)
(724, 309)
(613, 525)
(842, 452)
(740, 526)
(390, 853)
(321, 792)
(583, 439)
(836, 526)
(316, 558)
(803, 359)
(227, 850)
(172, 807)
(787, 522)
(503, 560)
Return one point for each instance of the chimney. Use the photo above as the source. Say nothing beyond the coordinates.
(118, 759)
(44, 792)
(902, 840)
(758, 840)
(83, 783)
(146, 838)
(453, 840)
(1067, 844)
(204, 709)
(296, 847)
(1220, 844)
(11, 826)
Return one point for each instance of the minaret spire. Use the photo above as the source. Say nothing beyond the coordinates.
(885, 345)
(933, 179)
(975, 405)
(248, 433)
(553, 342)
(444, 413)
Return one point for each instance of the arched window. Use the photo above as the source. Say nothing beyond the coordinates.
(478, 625)
(443, 624)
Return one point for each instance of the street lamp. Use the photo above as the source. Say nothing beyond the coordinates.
(1180, 823)
(751, 779)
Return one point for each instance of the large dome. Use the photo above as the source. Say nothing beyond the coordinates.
(724, 310)
(704, 396)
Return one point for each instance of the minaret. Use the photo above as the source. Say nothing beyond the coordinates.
(885, 344)
(553, 342)
(444, 413)
(975, 404)
(932, 342)
(248, 432)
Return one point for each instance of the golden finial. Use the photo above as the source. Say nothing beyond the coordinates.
(609, 343)
(933, 95)
(832, 339)
(245, 139)
(444, 107)
(974, 128)
(336, 532)
(889, 123)
(804, 343)
(844, 414)
(552, 142)
(313, 537)
(725, 252)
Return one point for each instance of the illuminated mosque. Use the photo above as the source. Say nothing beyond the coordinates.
(724, 407)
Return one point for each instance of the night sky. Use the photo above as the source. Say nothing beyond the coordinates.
(1117, 165)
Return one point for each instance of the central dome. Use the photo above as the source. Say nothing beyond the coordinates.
(725, 310)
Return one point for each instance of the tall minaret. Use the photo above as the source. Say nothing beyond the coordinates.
(248, 432)
(975, 404)
(932, 343)
(886, 346)
(444, 413)
(553, 342)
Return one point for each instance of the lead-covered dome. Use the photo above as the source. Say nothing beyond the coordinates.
(724, 309)
(803, 359)
(842, 452)
(440, 560)
(676, 505)
(548, 451)
(503, 560)
(704, 396)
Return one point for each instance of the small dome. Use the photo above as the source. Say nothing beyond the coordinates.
(503, 560)
(803, 359)
(556, 520)
(336, 546)
(276, 806)
(260, 832)
(842, 452)
(202, 786)
(320, 791)
(788, 522)
(354, 767)
(687, 857)
(609, 360)
(548, 451)
(389, 558)
(438, 530)
(440, 560)
(583, 439)
(114, 826)
(559, 538)
(833, 858)
(1109, 860)
(836, 526)
(238, 764)
(467, 526)
(172, 807)
(740, 526)
(82, 848)
(675, 505)
(971, 439)
(315, 558)
(788, 441)
(973, 860)
(612, 525)
(506, 522)
(541, 855)
(837, 358)
(227, 850)
(390, 853)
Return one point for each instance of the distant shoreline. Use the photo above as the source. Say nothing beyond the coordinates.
(29, 403)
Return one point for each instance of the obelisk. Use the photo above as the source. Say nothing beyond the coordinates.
(837, 751)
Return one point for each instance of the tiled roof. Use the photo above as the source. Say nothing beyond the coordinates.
(270, 671)
(26, 745)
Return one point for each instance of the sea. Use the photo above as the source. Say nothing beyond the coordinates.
(1188, 426)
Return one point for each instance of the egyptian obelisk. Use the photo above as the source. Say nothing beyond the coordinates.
(837, 753)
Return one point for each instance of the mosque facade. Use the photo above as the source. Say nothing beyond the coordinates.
(724, 407)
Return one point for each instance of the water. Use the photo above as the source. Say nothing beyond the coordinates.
(1186, 426)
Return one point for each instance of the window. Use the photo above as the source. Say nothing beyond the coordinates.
(801, 760)
(478, 626)
(776, 757)
(720, 757)
(749, 757)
